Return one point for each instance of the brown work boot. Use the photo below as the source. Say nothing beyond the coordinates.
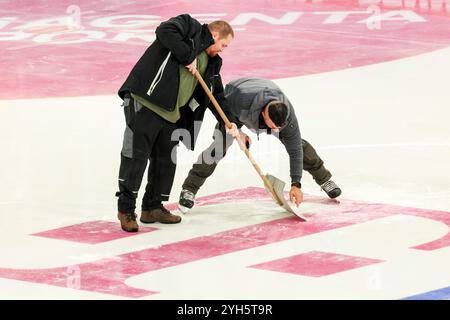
(160, 214)
(128, 221)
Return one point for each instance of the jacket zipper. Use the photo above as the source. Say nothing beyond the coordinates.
(159, 75)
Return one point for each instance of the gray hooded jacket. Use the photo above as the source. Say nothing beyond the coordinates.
(246, 99)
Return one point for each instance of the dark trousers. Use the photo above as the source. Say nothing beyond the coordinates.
(147, 138)
(204, 167)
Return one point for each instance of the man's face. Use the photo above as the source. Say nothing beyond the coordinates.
(269, 122)
(219, 44)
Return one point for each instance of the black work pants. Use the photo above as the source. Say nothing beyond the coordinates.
(147, 137)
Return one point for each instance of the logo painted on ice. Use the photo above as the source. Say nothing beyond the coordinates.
(297, 37)
(139, 29)
(109, 275)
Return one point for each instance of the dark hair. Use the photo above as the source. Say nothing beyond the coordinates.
(222, 27)
(278, 113)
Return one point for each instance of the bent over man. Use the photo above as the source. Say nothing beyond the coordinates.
(261, 106)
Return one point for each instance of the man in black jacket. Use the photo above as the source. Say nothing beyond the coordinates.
(161, 95)
(261, 106)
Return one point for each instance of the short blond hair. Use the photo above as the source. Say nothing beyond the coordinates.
(222, 27)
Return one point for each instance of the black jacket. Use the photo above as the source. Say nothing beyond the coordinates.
(156, 77)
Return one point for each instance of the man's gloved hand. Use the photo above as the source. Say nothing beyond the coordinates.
(233, 131)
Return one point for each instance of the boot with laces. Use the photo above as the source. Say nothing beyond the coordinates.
(159, 214)
(128, 221)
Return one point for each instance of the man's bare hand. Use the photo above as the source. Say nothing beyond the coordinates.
(192, 67)
(296, 195)
(233, 131)
(246, 139)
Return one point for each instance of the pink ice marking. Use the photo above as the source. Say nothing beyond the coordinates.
(32, 69)
(316, 264)
(249, 193)
(92, 232)
(110, 275)
(441, 216)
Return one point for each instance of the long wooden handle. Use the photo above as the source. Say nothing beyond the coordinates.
(238, 138)
(213, 99)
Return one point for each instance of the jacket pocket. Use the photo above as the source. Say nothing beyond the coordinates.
(129, 109)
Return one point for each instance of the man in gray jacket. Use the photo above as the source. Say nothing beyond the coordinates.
(260, 105)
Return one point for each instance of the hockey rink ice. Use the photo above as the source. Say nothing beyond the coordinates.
(369, 81)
